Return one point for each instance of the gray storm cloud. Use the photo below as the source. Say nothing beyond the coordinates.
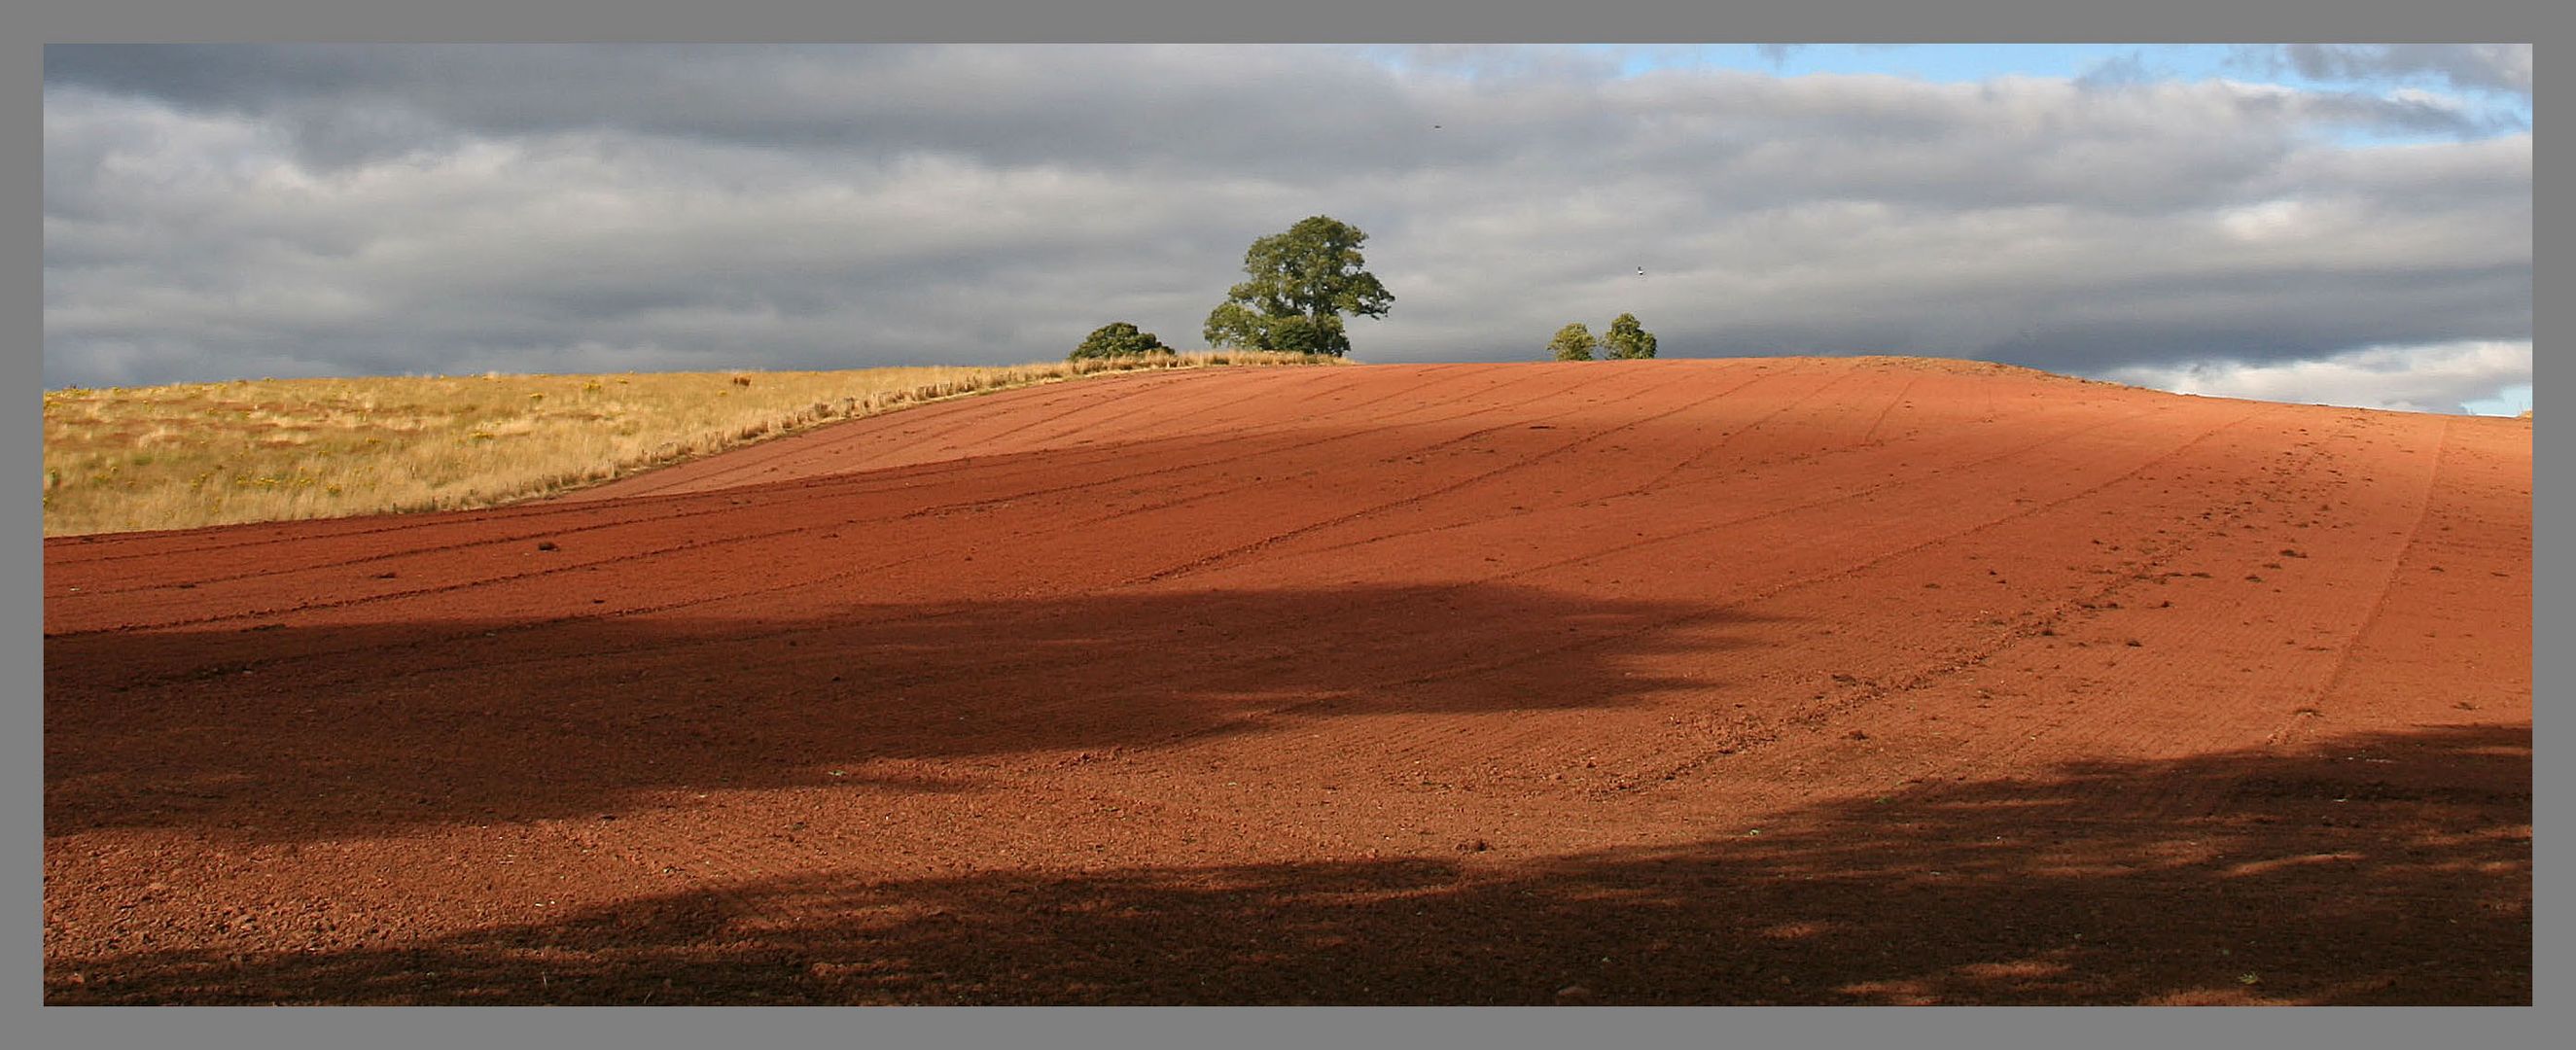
(223, 211)
(2475, 67)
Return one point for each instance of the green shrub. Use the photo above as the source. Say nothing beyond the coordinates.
(1118, 339)
(1573, 342)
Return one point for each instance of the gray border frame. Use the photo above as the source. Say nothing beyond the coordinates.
(1352, 21)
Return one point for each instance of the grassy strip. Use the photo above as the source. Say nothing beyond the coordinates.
(183, 456)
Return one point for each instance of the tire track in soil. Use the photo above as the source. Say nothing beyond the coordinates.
(1298, 447)
(1420, 497)
(1433, 734)
(2152, 563)
(478, 659)
(556, 622)
(633, 509)
(726, 538)
(199, 665)
(1432, 737)
(1674, 492)
(1523, 513)
(69, 551)
(1190, 441)
(745, 465)
(1428, 500)
(586, 503)
(1880, 419)
(1723, 608)
(2169, 712)
(2289, 732)
(2266, 724)
(2385, 667)
(1181, 393)
(1553, 650)
(1659, 481)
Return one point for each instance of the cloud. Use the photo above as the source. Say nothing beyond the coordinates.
(2441, 377)
(224, 211)
(2470, 67)
(2121, 70)
(1778, 54)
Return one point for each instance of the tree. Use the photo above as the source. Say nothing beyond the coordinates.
(1573, 342)
(1628, 340)
(1234, 325)
(1118, 339)
(1303, 281)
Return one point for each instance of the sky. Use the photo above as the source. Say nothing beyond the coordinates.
(2339, 224)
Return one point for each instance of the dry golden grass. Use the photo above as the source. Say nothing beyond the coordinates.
(175, 457)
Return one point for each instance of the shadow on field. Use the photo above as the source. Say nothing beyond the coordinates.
(2386, 868)
(294, 733)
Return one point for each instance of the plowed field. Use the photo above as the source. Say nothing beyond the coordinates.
(1830, 681)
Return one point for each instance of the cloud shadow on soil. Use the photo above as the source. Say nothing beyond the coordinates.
(2386, 868)
(287, 732)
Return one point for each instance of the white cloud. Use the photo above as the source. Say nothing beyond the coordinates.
(2441, 377)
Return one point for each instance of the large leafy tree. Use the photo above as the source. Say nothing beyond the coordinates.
(1573, 342)
(1628, 339)
(1302, 282)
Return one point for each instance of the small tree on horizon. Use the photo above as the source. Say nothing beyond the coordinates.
(1573, 342)
(1118, 339)
(1628, 340)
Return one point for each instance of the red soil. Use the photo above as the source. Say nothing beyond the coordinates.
(1694, 682)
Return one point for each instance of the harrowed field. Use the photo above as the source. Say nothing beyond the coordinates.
(1787, 680)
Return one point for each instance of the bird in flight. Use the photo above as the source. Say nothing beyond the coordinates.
(1641, 271)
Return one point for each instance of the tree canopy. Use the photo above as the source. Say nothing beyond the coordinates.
(1302, 282)
(1118, 339)
(1573, 342)
(1627, 339)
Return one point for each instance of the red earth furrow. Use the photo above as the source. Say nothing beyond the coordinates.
(2203, 652)
(281, 584)
(750, 465)
(821, 454)
(1420, 494)
(1541, 652)
(2463, 545)
(373, 530)
(2128, 603)
(614, 611)
(1596, 515)
(1681, 584)
(1666, 478)
(1568, 545)
(2378, 606)
(1430, 503)
(1880, 420)
(198, 660)
(928, 433)
(1180, 411)
(629, 509)
(1427, 501)
(1837, 704)
(1537, 501)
